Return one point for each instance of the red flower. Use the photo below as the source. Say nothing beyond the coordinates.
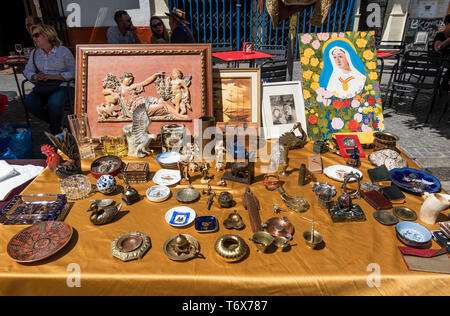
(371, 100)
(346, 103)
(337, 104)
(353, 125)
(312, 119)
(375, 124)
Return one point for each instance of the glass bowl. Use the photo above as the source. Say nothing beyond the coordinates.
(76, 187)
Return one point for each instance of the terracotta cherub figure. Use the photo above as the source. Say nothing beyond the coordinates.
(180, 95)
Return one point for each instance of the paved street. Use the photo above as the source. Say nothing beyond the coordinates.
(427, 144)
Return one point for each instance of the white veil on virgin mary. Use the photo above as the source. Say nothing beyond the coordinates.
(335, 80)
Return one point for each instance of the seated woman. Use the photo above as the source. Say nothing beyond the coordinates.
(50, 66)
(159, 31)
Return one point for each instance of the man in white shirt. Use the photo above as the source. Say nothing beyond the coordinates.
(124, 32)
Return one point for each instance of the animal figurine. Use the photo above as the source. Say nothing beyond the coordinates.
(139, 128)
(103, 215)
(66, 143)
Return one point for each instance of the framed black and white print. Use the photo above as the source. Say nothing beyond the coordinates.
(282, 107)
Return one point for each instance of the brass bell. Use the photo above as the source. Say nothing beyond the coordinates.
(130, 195)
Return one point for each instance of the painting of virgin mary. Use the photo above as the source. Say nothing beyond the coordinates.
(340, 83)
(343, 73)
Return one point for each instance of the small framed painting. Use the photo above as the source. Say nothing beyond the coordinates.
(282, 107)
(236, 96)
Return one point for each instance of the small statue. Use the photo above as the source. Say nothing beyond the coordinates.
(184, 170)
(219, 150)
(66, 143)
(205, 169)
(141, 122)
(291, 140)
(103, 215)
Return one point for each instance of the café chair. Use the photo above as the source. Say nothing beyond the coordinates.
(278, 51)
(274, 70)
(68, 107)
(418, 71)
(221, 47)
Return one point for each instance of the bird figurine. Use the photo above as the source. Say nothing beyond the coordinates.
(66, 143)
(139, 128)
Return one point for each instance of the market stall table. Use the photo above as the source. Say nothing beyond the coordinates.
(238, 56)
(353, 254)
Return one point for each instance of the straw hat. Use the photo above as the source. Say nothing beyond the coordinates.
(179, 15)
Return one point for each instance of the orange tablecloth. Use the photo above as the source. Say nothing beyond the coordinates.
(353, 252)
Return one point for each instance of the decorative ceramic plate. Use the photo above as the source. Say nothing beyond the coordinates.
(206, 224)
(39, 241)
(168, 158)
(413, 234)
(338, 172)
(167, 177)
(415, 180)
(110, 165)
(158, 193)
(405, 213)
(180, 216)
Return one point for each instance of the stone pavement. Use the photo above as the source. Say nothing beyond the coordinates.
(427, 144)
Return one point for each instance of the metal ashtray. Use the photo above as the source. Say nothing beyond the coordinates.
(234, 221)
(182, 247)
(405, 213)
(385, 217)
(130, 246)
(187, 195)
(279, 226)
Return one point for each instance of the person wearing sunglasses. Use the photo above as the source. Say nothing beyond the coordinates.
(160, 35)
(49, 67)
(124, 32)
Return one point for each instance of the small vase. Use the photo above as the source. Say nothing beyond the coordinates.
(432, 207)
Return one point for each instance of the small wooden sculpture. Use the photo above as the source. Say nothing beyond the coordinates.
(251, 204)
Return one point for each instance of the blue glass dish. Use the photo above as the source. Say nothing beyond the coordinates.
(415, 180)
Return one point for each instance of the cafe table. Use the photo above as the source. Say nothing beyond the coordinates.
(14, 62)
(241, 56)
(356, 258)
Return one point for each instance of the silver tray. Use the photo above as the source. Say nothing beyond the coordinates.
(35, 208)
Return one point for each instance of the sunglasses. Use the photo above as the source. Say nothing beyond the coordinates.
(157, 24)
(36, 35)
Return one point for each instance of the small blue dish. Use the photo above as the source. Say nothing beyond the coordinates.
(413, 234)
(415, 180)
(206, 224)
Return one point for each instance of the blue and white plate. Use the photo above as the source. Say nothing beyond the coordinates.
(180, 216)
(412, 234)
(415, 180)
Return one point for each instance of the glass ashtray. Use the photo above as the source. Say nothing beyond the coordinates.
(76, 187)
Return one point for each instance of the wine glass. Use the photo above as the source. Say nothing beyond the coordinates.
(18, 48)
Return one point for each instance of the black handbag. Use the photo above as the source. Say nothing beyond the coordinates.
(45, 87)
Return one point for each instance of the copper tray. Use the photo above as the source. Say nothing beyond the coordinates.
(39, 241)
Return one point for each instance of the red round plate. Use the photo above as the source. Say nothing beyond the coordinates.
(39, 241)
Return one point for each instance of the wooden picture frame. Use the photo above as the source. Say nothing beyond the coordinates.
(282, 106)
(104, 93)
(237, 96)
